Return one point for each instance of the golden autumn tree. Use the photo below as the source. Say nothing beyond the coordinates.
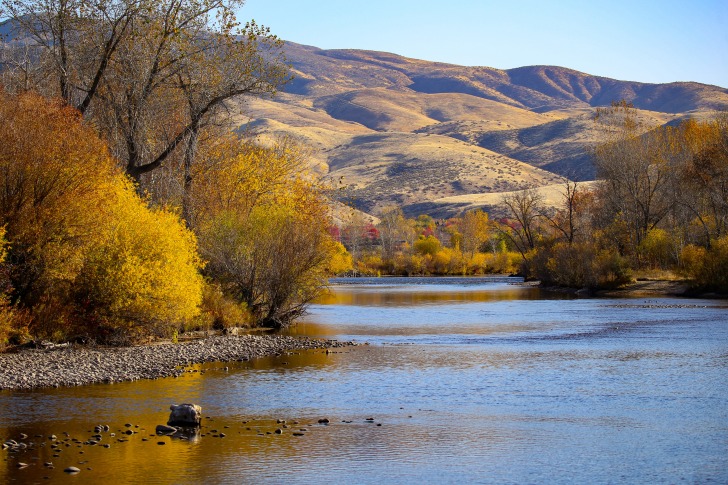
(143, 278)
(704, 175)
(262, 224)
(86, 254)
(704, 201)
(474, 230)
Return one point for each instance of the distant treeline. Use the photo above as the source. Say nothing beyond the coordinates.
(660, 208)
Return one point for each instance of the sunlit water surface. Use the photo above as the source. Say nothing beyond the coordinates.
(467, 380)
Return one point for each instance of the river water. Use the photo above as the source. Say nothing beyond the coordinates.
(470, 380)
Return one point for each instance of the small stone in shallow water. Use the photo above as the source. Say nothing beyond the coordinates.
(164, 429)
(72, 469)
(324, 421)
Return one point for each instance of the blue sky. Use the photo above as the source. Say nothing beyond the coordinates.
(647, 41)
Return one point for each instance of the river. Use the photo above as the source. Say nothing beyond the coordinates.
(461, 380)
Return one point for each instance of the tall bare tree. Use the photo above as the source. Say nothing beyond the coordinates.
(148, 73)
(636, 169)
(524, 208)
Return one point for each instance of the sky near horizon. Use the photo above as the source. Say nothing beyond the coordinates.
(653, 41)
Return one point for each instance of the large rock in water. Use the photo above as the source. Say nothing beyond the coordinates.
(185, 415)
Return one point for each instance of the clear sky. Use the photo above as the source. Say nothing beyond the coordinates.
(639, 40)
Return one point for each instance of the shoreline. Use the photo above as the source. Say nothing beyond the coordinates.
(78, 365)
(672, 288)
(676, 288)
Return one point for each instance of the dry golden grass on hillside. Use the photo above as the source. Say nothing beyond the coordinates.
(552, 195)
(408, 111)
(409, 132)
(404, 168)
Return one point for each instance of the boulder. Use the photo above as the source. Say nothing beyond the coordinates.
(185, 415)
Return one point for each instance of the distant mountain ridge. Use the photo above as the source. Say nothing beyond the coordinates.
(532, 87)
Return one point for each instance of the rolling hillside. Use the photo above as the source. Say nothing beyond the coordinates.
(414, 133)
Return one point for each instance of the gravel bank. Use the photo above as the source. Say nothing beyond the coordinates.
(77, 366)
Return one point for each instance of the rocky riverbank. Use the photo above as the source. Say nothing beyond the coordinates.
(78, 365)
(650, 288)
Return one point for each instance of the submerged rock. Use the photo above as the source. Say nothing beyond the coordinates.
(163, 429)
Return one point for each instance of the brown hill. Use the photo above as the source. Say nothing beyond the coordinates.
(539, 88)
(410, 132)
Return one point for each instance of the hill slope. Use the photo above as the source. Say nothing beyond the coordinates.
(412, 132)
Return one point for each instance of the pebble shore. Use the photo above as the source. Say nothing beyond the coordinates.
(76, 366)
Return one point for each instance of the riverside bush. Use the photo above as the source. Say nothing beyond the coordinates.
(578, 265)
(6, 313)
(219, 311)
(143, 277)
(86, 254)
(707, 268)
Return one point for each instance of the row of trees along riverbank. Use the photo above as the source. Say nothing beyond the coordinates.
(128, 207)
(659, 208)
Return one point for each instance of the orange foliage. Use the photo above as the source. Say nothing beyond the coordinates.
(86, 251)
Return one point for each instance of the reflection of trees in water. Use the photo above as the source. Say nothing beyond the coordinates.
(397, 297)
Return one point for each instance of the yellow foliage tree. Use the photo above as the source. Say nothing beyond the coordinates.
(341, 261)
(262, 225)
(474, 229)
(143, 276)
(85, 251)
(427, 245)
